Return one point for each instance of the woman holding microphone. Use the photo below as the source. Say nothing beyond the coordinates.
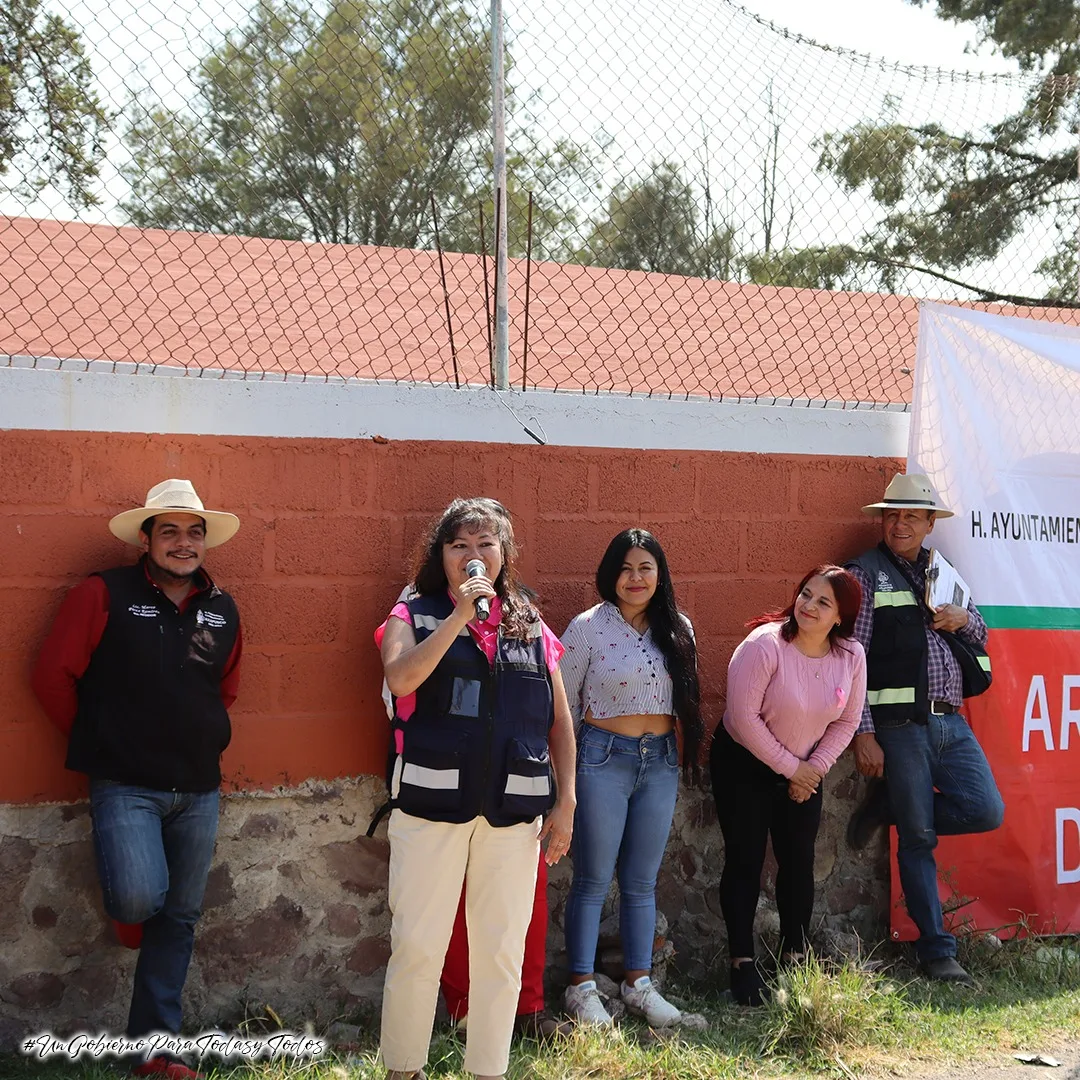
(480, 724)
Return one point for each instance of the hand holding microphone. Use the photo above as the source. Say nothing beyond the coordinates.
(475, 568)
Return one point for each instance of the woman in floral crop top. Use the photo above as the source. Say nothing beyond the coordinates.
(630, 672)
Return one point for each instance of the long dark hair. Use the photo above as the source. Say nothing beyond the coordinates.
(472, 515)
(670, 632)
(848, 593)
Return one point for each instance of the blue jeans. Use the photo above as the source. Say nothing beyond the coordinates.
(153, 853)
(942, 754)
(626, 791)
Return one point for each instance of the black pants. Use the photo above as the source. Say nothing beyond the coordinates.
(752, 803)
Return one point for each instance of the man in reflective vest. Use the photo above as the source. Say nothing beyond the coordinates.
(911, 732)
(139, 670)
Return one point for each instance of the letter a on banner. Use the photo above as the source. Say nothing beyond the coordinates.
(996, 427)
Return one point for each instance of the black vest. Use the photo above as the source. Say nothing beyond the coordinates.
(896, 673)
(477, 743)
(150, 710)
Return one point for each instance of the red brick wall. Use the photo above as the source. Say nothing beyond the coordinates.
(327, 528)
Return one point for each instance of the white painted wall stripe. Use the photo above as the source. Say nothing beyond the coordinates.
(61, 399)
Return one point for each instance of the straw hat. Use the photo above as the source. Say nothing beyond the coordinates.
(911, 491)
(174, 496)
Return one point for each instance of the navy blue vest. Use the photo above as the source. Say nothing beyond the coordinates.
(477, 743)
(150, 710)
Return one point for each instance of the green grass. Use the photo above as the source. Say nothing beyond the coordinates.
(827, 1020)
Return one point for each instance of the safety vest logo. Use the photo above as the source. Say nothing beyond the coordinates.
(210, 618)
(883, 582)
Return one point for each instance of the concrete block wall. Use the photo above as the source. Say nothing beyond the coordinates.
(327, 528)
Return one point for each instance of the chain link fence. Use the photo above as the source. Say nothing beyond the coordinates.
(698, 202)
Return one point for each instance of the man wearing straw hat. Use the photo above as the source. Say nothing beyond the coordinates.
(911, 732)
(139, 669)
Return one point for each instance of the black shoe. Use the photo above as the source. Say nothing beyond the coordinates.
(870, 815)
(747, 985)
(946, 969)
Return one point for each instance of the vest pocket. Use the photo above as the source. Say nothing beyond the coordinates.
(528, 790)
(432, 772)
(465, 697)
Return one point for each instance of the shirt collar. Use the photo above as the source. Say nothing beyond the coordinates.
(615, 613)
(201, 579)
(920, 560)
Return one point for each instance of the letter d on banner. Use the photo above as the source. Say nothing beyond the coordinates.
(1064, 814)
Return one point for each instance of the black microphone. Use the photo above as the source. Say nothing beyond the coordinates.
(477, 568)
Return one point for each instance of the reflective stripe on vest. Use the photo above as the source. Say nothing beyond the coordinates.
(894, 599)
(516, 784)
(434, 779)
(893, 695)
(429, 622)
(984, 663)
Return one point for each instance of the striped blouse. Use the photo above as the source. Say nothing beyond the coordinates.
(613, 670)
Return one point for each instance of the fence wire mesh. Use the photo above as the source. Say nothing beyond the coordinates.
(699, 202)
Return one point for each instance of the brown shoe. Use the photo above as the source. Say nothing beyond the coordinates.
(540, 1026)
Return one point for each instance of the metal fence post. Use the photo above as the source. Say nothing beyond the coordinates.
(501, 356)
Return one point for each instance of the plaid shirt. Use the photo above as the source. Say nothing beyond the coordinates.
(945, 682)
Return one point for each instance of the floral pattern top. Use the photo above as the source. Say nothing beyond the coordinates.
(611, 669)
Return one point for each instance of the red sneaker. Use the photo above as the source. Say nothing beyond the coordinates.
(128, 934)
(168, 1067)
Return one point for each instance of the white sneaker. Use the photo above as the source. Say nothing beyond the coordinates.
(583, 1004)
(644, 999)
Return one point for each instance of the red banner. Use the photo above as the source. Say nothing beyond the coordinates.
(1029, 725)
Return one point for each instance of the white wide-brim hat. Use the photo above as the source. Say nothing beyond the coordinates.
(910, 491)
(174, 496)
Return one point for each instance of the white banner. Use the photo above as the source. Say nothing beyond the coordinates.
(996, 427)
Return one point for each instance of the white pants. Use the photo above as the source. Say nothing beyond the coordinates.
(428, 861)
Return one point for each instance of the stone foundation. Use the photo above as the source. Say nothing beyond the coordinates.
(296, 916)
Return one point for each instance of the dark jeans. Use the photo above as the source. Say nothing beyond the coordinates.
(942, 754)
(153, 853)
(752, 803)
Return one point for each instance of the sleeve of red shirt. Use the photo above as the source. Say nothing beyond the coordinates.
(230, 677)
(65, 654)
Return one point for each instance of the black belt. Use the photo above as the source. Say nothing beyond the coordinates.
(940, 708)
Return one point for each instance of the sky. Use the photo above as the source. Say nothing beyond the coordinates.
(892, 29)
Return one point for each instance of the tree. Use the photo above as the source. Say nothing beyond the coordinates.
(654, 224)
(782, 264)
(560, 178)
(832, 267)
(340, 128)
(335, 128)
(51, 121)
(952, 200)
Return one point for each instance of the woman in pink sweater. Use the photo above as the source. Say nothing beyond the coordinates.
(796, 688)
